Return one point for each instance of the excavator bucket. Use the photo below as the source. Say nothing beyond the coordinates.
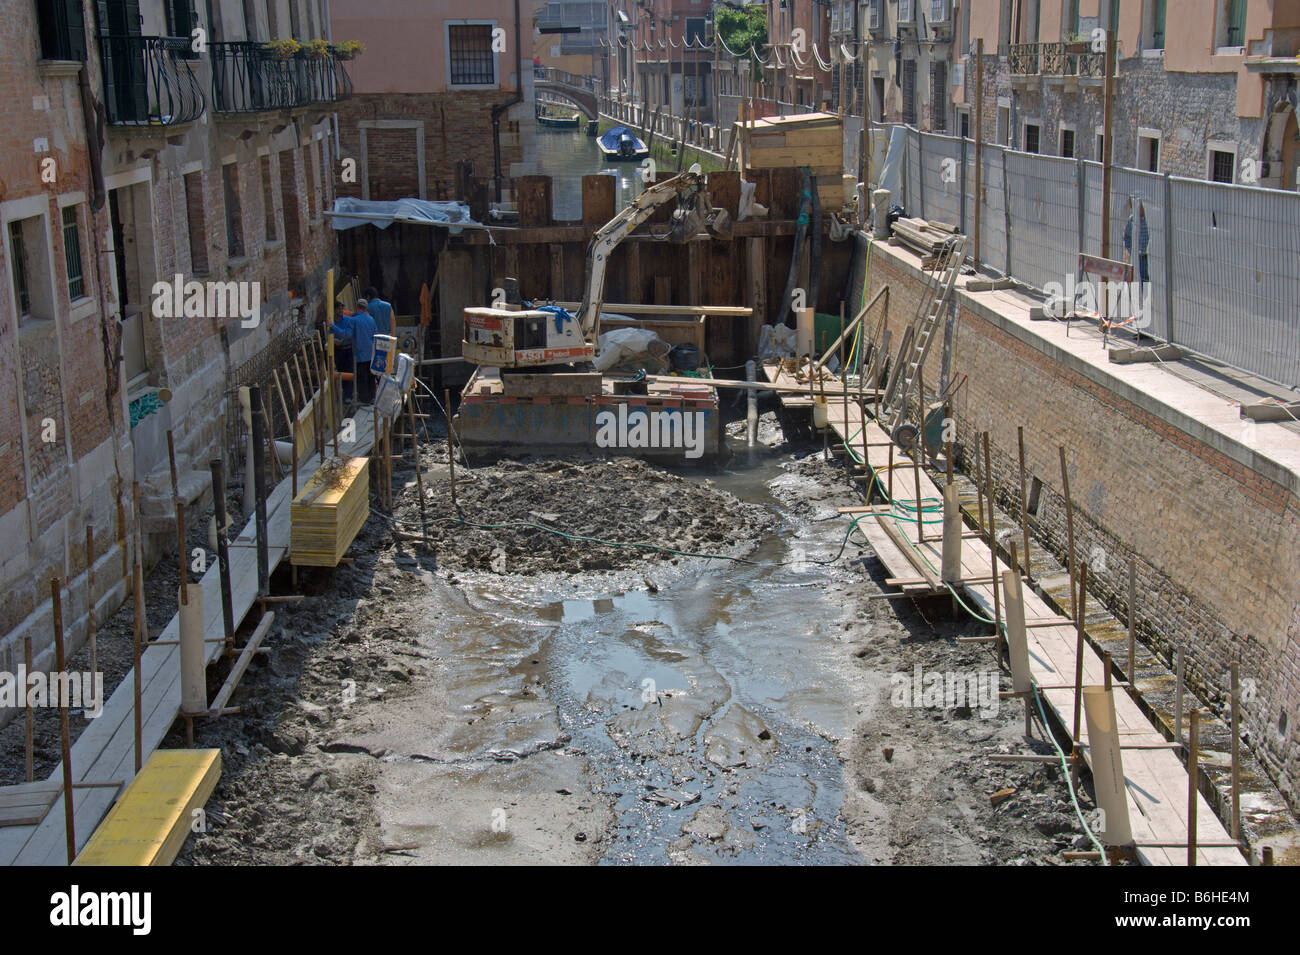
(719, 223)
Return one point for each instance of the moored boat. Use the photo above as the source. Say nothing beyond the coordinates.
(620, 144)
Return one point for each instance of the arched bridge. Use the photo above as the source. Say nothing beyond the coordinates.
(570, 87)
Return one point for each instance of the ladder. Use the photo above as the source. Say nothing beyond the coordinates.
(920, 333)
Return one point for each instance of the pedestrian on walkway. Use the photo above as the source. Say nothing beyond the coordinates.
(358, 330)
(1143, 240)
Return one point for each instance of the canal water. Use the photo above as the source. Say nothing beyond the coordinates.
(566, 155)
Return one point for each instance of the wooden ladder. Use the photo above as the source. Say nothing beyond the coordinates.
(919, 335)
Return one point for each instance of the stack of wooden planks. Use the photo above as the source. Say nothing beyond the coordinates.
(329, 511)
(815, 140)
(922, 236)
(149, 823)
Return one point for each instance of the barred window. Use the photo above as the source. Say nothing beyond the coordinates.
(469, 51)
(72, 253)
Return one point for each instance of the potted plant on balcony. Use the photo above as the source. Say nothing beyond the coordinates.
(347, 49)
(317, 49)
(282, 49)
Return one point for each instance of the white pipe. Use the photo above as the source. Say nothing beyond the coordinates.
(751, 417)
(194, 686)
(1107, 765)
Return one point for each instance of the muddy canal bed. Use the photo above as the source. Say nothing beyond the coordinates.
(509, 694)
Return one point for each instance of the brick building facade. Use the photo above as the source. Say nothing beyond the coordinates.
(447, 96)
(206, 171)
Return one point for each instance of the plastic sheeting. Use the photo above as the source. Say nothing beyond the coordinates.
(349, 212)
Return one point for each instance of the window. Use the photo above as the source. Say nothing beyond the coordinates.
(1067, 143)
(268, 198)
(695, 30)
(1155, 25)
(1236, 23)
(469, 55)
(878, 98)
(873, 19)
(196, 223)
(234, 219)
(1033, 133)
(18, 260)
(72, 253)
(182, 20)
(309, 175)
(963, 119)
(909, 92)
(29, 268)
(905, 14)
(938, 11)
(1101, 144)
(939, 96)
(1004, 125)
(62, 29)
(1223, 165)
(1148, 154)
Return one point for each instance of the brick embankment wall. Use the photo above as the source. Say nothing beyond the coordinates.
(1215, 527)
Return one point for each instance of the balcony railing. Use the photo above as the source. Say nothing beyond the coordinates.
(247, 78)
(1055, 59)
(147, 81)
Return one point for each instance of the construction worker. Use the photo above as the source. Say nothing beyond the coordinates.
(343, 360)
(382, 312)
(359, 330)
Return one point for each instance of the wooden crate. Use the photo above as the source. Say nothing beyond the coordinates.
(815, 140)
(328, 513)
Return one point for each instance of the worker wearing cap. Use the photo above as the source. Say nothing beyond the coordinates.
(382, 312)
(359, 330)
(343, 360)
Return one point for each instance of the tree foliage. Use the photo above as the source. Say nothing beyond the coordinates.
(740, 26)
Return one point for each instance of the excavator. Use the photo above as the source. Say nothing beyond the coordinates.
(507, 336)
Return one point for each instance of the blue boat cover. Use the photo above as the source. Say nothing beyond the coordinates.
(610, 139)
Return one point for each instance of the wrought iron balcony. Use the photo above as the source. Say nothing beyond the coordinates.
(1055, 59)
(248, 78)
(147, 81)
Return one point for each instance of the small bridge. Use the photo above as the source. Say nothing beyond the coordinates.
(569, 87)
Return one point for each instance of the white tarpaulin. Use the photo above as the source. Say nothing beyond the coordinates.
(349, 212)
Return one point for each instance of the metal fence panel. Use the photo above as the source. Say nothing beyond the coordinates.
(1044, 200)
(1236, 283)
(1223, 261)
(941, 168)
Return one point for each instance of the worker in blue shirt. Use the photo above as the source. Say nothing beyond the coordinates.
(359, 330)
(343, 360)
(382, 312)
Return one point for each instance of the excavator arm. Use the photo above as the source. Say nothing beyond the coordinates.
(693, 211)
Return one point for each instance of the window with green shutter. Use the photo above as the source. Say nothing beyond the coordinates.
(1158, 25)
(1236, 23)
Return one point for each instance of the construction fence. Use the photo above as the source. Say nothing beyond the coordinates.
(1223, 261)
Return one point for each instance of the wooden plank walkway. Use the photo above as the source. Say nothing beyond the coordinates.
(1157, 780)
(105, 751)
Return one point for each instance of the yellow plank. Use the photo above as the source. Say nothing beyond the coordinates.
(151, 819)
